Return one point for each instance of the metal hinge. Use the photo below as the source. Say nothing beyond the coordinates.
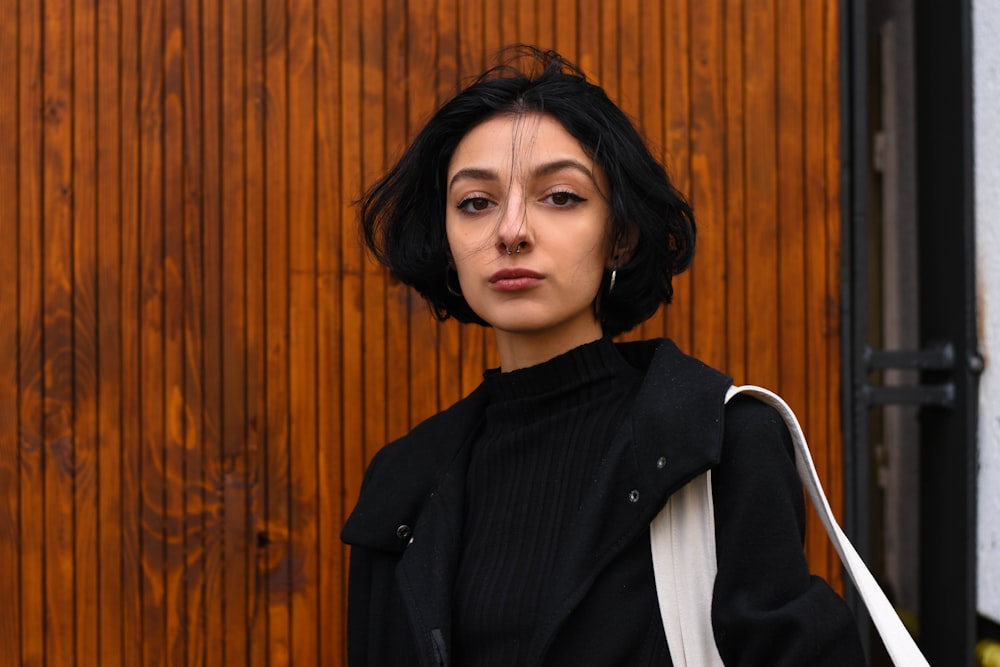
(937, 357)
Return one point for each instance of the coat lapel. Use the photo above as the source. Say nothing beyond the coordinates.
(411, 501)
(427, 569)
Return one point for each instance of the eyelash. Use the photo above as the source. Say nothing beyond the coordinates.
(572, 196)
(464, 204)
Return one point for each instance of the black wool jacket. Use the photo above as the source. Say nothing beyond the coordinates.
(405, 535)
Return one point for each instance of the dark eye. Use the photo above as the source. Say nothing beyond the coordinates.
(474, 204)
(563, 199)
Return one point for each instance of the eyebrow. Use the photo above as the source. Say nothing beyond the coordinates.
(480, 174)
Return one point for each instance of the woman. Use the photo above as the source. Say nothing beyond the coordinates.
(513, 528)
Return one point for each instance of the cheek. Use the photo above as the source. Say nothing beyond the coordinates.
(468, 246)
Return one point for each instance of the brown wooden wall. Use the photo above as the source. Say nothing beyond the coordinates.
(197, 359)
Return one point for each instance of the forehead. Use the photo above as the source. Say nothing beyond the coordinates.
(516, 139)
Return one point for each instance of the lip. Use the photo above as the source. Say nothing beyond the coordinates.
(512, 280)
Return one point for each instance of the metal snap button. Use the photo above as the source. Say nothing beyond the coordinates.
(661, 462)
(633, 496)
(404, 532)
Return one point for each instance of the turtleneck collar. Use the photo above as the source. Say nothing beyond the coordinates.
(587, 365)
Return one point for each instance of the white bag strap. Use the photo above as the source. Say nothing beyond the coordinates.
(684, 555)
(683, 543)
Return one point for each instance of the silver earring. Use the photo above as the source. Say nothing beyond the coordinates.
(614, 275)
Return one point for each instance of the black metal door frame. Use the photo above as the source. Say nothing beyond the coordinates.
(948, 359)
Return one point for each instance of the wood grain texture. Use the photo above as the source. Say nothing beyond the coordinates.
(110, 619)
(87, 547)
(30, 282)
(129, 498)
(10, 508)
(198, 359)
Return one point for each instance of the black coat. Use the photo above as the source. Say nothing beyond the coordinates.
(767, 609)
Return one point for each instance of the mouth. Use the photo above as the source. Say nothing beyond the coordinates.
(512, 280)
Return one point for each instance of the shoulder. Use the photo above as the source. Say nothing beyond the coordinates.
(663, 362)
(677, 415)
(405, 471)
(751, 423)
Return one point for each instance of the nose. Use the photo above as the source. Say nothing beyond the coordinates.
(513, 233)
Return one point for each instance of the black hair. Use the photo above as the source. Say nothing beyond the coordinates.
(403, 214)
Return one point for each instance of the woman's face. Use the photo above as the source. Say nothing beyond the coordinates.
(528, 226)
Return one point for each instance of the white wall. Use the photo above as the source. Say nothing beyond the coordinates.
(986, 124)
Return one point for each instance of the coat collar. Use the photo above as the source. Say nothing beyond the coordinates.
(405, 473)
(675, 433)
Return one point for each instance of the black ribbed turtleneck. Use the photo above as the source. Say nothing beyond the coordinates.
(547, 429)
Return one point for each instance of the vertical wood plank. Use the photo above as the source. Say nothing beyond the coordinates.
(235, 461)
(278, 556)
(193, 522)
(447, 66)
(213, 336)
(256, 317)
(545, 24)
(508, 23)
(817, 371)
(110, 589)
(833, 480)
(564, 22)
(524, 22)
(608, 61)
(175, 608)
(30, 308)
(471, 35)
(151, 338)
(87, 547)
(629, 63)
(589, 41)
(10, 508)
(302, 305)
(133, 572)
(792, 266)
(57, 332)
(707, 193)
(493, 38)
(331, 389)
(794, 219)
(735, 186)
(677, 87)
(761, 178)
(357, 297)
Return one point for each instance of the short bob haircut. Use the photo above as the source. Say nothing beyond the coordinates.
(403, 214)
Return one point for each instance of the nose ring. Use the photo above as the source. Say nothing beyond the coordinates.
(517, 248)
